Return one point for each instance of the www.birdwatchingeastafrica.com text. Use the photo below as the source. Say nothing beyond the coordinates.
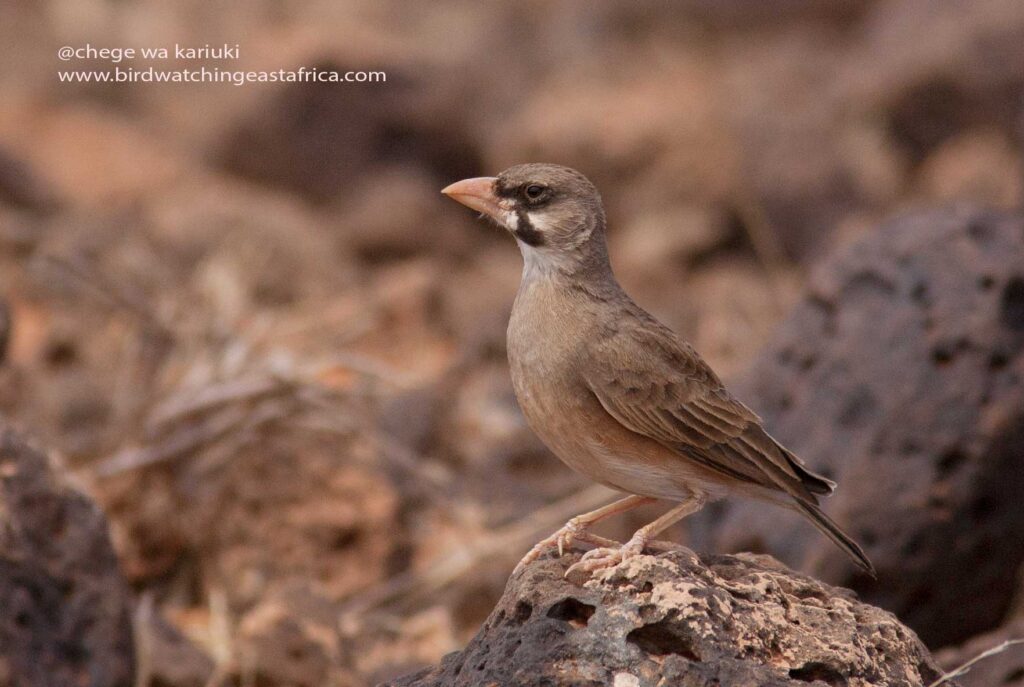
(215, 75)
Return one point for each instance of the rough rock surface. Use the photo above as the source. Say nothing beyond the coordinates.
(676, 620)
(900, 376)
(65, 611)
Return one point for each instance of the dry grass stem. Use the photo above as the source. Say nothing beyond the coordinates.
(964, 667)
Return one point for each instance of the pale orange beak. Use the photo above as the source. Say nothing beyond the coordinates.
(478, 194)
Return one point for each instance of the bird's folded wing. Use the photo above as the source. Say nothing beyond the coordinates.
(656, 385)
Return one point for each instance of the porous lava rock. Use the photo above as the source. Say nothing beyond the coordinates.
(677, 619)
(65, 610)
(901, 376)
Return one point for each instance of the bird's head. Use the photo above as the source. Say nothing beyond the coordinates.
(554, 212)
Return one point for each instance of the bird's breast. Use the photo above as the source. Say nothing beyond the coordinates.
(544, 336)
(547, 338)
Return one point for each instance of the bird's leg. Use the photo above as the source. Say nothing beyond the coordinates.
(576, 529)
(598, 559)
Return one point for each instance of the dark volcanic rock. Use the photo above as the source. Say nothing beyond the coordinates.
(902, 377)
(65, 611)
(673, 620)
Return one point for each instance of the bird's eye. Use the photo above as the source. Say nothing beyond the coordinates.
(534, 191)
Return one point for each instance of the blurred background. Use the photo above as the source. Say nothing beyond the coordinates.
(250, 327)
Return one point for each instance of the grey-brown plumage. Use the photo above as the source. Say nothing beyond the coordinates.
(613, 392)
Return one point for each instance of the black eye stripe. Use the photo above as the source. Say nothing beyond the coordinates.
(533, 194)
(504, 191)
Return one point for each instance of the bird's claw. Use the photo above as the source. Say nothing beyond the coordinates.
(605, 557)
(563, 539)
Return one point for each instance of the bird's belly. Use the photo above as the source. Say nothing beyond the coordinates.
(585, 437)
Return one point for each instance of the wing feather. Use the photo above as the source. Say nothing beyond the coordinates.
(658, 386)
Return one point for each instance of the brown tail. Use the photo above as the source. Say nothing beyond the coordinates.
(836, 534)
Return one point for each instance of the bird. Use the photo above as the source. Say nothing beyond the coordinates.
(614, 393)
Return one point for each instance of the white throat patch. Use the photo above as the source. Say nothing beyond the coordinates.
(543, 260)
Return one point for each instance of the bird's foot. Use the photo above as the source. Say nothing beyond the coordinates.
(563, 538)
(607, 557)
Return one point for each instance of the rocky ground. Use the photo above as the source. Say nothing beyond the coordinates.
(243, 323)
(678, 619)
